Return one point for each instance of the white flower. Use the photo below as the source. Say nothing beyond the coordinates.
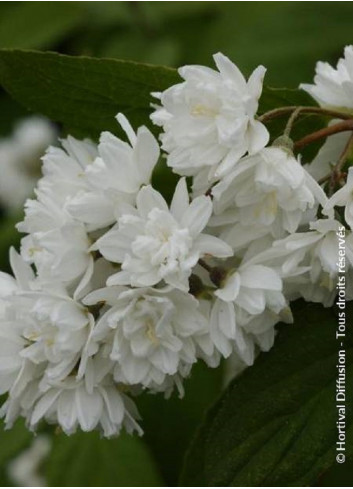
(64, 169)
(309, 262)
(150, 335)
(249, 304)
(13, 368)
(55, 328)
(115, 176)
(155, 243)
(343, 198)
(270, 190)
(333, 87)
(56, 244)
(42, 332)
(43, 335)
(71, 405)
(26, 469)
(209, 119)
(20, 160)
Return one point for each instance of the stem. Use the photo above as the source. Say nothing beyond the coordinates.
(282, 111)
(346, 125)
(217, 274)
(344, 155)
(337, 170)
(205, 265)
(291, 121)
(324, 179)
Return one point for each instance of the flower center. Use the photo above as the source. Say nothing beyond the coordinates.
(201, 110)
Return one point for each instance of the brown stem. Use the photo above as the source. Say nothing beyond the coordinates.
(282, 111)
(291, 121)
(346, 125)
(345, 154)
(205, 265)
(336, 174)
(324, 179)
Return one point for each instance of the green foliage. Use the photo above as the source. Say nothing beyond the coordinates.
(85, 459)
(12, 442)
(30, 25)
(82, 93)
(170, 424)
(276, 423)
(286, 37)
(86, 93)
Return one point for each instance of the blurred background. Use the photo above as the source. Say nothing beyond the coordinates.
(288, 38)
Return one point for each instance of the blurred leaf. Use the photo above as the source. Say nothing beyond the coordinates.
(12, 443)
(276, 424)
(286, 37)
(14, 440)
(83, 93)
(29, 25)
(85, 459)
(107, 14)
(169, 424)
(169, 11)
(132, 46)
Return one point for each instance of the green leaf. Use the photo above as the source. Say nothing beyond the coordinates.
(82, 93)
(169, 424)
(276, 424)
(85, 459)
(28, 25)
(86, 93)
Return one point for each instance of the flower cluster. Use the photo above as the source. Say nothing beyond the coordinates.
(117, 291)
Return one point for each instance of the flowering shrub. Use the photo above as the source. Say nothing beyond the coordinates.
(116, 291)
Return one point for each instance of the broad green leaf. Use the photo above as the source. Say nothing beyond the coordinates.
(28, 25)
(82, 93)
(86, 93)
(276, 424)
(169, 424)
(85, 459)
